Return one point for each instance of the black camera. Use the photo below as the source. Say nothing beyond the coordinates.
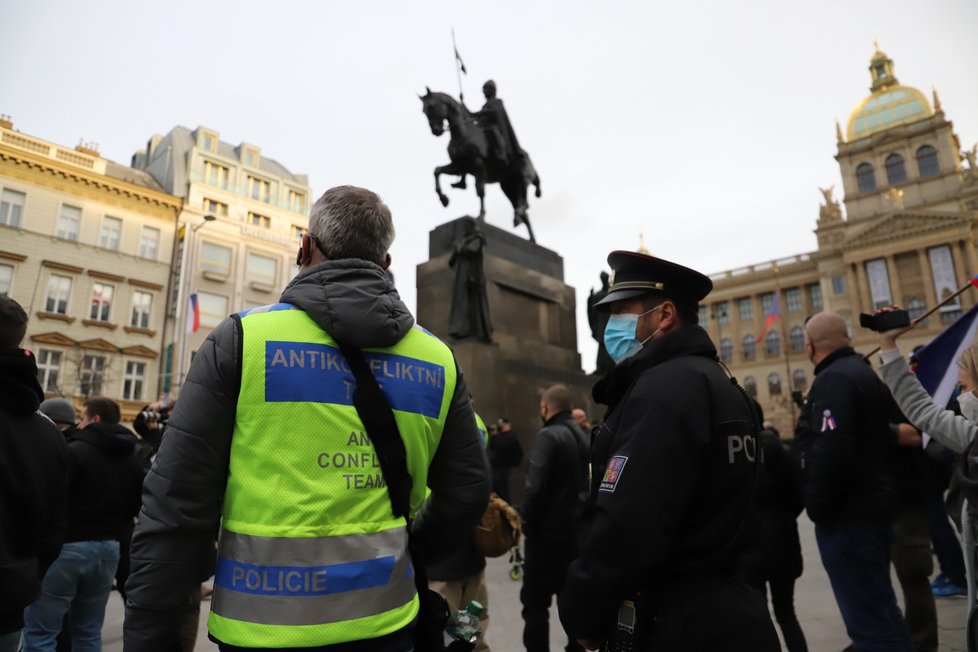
(885, 320)
(153, 415)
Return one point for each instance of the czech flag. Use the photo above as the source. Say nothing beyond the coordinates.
(774, 316)
(193, 314)
(937, 363)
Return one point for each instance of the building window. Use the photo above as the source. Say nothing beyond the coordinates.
(916, 307)
(774, 384)
(815, 294)
(297, 232)
(210, 143)
(263, 221)
(68, 222)
(701, 314)
(6, 279)
(132, 389)
(141, 303)
(215, 258)
(838, 285)
(297, 201)
(927, 162)
(896, 171)
(48, 369)
(797, 337)
(111, 233)
(721, 312)
(11, 207)
(772, 343)
(101, 302)
(950, 316)
(215, 207)
(259, 189)
(799, 380)
(91, 374)
(792, 298)
(745, 307)
(215, 175)
(750, 386)
(262, 269)
(213, 309)
(149, 243)
(59, 288)
(749, 347)
(767, 303)
(726, 349)
(865, 177)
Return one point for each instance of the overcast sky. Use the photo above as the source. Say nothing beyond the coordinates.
(708, 126)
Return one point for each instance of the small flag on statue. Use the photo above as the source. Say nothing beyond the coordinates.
(193, 314)
(772, 317)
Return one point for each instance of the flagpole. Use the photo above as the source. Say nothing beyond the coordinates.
(944, 302)
(458, 69)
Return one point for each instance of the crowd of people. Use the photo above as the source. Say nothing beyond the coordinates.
(335, 515)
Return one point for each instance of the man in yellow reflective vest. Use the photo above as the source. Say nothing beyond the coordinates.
(265, 440)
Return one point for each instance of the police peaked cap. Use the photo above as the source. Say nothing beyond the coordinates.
(634, 274)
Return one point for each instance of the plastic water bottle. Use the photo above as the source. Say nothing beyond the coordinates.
(464, 625)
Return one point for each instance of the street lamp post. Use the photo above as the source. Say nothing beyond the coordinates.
(188, 273)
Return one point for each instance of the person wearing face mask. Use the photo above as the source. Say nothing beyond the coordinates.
(674, 465)
(956, 432)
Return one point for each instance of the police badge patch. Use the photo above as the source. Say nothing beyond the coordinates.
(613, 473)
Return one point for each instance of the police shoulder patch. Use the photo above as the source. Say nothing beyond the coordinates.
(612, 474)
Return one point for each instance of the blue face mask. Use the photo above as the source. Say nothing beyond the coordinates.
(620, 338)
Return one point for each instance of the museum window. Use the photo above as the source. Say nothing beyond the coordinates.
(6, 279)
(815, 296)
(750, 386)
(799, 380)
(215, 207)
(48, 369)
(726, 349)
(132, 388)
(69, 222)
(210, 143)
(772, 343)
(101, 302)
(896, 171)
(767, 304)
(215, 258)
(215, 175)
(745, 308)
(149, 243)
(141, 304)
(774, 384)
(213, 309)
(701, 314)
(950, 316)
(297, 201)
(59, 289)
(838, 285)
(927, 163)
(262, 269)
(792, 299)
(797, 338)
(749, 347)
(111, 233)
(865, 177)
(721, 313)
(259, 189)
(91, 374)
(297, 232)
(251, 157)
(11, 207)
(915, 308)
(263, 221)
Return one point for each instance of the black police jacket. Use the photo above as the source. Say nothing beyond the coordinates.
(556, 479)
(846, 449)
(673, 467)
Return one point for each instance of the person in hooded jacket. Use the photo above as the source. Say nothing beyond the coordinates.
(104, 495)
(673, 469)
(33, 479)
(266, 444)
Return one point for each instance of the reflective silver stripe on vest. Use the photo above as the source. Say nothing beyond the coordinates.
(311, 581)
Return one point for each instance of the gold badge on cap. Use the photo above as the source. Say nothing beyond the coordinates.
(611, 280)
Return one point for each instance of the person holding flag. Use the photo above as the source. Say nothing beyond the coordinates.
(913, 393)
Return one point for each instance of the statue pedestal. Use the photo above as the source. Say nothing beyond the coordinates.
(534, 329)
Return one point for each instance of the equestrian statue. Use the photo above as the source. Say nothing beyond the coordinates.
(484, 145)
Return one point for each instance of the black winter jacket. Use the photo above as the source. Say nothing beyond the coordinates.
(355, 302)
(672, 473)
(556, 479)
(106, 483)
(847, 447)
(33, 487)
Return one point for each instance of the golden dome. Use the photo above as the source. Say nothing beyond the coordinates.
(891, 104)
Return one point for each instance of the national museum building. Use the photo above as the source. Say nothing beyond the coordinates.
(906, 237)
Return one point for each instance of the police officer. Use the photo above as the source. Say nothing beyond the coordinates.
(673, 467)
(266, 439)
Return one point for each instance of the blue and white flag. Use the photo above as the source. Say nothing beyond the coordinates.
(937, 363)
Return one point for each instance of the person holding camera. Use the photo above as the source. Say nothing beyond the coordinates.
(848, 490)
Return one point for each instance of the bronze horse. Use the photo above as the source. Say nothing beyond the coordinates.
(468, 150)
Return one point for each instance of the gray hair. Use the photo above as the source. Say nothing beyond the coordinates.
(352, 222)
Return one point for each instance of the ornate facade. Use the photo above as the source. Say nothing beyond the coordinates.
(906, 236)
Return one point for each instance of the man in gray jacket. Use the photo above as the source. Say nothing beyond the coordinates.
(343, 287)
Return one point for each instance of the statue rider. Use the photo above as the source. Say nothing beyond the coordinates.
(504, 148)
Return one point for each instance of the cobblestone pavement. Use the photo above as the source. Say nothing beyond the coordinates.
(814, 603)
